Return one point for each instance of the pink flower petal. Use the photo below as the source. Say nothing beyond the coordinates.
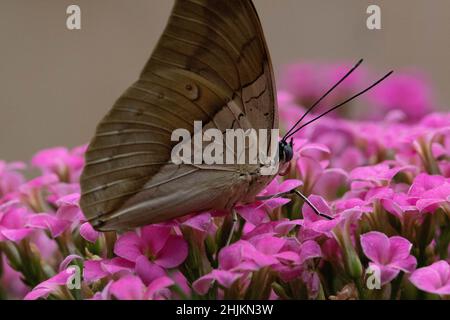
(117, 266)
(15, 235)
(321, 205)
(310, 250)
(376, 246)
(284, 227)
(67, 261)
(45, 221)
(49, 286)
(424, 182)
(275, 203)
(434, 279)
(407, 265)
(89, 233)
(128, 288)
(155, 237)
(288, 257)
(399, 249)
(38, 293)
(129, 246)
(231, 256)
(224, 278)
(289, 185)
(157, 286)
(387, 273)
(330, 181)
(173, 253)
(147, 270)
(268, 244)
(93, 271)
(200, 222)
(253, 213)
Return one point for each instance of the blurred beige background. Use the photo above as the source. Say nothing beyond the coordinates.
(56, 84)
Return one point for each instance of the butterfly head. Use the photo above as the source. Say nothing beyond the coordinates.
(286, 153)
(286, 150)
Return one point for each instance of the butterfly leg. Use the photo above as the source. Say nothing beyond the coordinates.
(312, 206)
(233, 227)
(302, 196)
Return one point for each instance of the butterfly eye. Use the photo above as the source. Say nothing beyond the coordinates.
(286, 151)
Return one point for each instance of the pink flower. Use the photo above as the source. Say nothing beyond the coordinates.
(88, 232)
(95, 270)
(338, 135)
(152, 251)
(348, 202)
(335, 71)
(407, 92)
(433, 279)
(11, 281)
(309, 81)
(240, 258)
(201, 222)
(314, 225)
(429, 193)
(390, 255)
(31, 192)
(312, 159)
(250, 255)
(377, 175)
(277, 187)
(13, 224)
(293, 256)
(67, 215)
(50, 286)
(289, 110)
(330, 182)
(399, 204)
(224, 277)
(257, 213)
(132, 288)
(425, 182)
(48, 222)
(61, 189)
(435, 198)
(69, 211)
(303, 81)
(10, 178)
(279, 228)
(66, 164)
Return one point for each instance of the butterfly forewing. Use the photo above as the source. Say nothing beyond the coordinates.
(211, 65)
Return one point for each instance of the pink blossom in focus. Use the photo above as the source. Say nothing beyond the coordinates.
(390, 255)
(433, 279)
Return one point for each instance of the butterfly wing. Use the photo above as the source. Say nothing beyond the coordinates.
(211, 65)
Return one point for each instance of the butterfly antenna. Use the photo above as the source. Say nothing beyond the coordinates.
(287, 135)
(341, 104)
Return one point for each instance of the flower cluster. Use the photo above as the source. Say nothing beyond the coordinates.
(384, 178)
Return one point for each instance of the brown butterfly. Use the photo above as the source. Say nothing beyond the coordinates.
(211, 65)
